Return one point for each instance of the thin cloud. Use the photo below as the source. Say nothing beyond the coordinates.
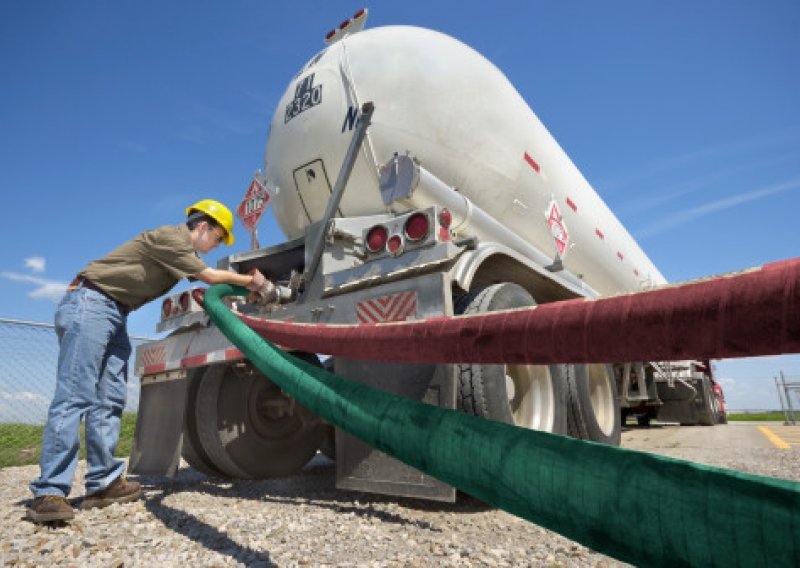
(697, 184)
(726, 383)
(683, 217)
(23, 396)
(44, 289)
(670, 163)
(23, 407)
(35, 263)
(202, 123)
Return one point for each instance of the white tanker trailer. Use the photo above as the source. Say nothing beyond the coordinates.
(446, 197)
(457, 114)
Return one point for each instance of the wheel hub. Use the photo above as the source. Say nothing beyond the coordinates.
(272, 413)
(530, 396)
(602, 397)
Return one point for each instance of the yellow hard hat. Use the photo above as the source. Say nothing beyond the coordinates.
(217, 211)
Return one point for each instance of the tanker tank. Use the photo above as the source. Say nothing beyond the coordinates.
(455, 112)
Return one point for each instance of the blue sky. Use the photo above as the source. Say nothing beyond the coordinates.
(684, 116)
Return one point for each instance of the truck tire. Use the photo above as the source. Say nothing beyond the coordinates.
(207, 420)
(529, 396)
(707, 414)
(191, 448)
(594, 412)
(250, 428)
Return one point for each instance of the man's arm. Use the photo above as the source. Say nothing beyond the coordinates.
(253, 281)
(213, 276)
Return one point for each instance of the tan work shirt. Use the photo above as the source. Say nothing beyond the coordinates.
(147, 266)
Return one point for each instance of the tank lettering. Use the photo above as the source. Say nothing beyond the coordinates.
(306, 95)
(350, 119)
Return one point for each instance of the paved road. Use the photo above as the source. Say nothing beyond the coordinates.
(734, 435)
(766, 448)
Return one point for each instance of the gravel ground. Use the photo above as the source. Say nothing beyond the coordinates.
(195, 521)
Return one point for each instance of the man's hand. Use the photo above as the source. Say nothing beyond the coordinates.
(263, 288)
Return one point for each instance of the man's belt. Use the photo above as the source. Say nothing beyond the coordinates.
(81, 282)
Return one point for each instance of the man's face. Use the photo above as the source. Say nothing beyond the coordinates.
(208, 238)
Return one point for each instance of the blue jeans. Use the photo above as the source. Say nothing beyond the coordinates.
(91, 382)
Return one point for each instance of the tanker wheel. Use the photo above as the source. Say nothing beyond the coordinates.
(250, 428)
(191, 449)
(708, 415)
(643, 420)
(211, 432)
(594, 412)
(529, 396)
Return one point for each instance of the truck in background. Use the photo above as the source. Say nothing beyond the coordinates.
(670, 391)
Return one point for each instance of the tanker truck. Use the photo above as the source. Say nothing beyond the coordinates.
(411, 181)
(685, 392)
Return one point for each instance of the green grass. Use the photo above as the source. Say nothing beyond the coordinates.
(20, 444)
(760, 417)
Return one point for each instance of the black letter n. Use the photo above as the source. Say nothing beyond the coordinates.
(350, 119)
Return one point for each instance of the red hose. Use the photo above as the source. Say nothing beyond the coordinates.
(752, 313)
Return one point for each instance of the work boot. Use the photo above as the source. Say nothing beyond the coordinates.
(49, 508)
(120, 491)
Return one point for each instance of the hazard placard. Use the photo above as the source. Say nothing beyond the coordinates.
(557, 228)
(252, 207)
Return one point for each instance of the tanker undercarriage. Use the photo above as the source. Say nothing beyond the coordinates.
(201, 400)
(238, 424)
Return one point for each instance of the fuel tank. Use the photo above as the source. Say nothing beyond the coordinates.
(455, 112)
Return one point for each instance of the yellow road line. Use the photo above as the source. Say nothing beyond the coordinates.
(772, 437)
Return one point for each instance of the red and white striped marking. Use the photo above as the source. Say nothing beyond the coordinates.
(152, 365)
(572, 205)
(228, 354)
(533, 163)
(154, 358)
(557, 227)
(394, 307)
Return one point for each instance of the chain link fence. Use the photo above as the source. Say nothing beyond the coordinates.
(28, 358)
(788, 388)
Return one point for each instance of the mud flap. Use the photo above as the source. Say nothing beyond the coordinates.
(159, 426)
(361, 467)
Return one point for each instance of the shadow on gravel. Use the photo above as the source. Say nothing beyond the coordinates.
(313, 486)
(194, 529)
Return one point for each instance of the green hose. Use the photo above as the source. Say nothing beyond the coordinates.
(640, 508)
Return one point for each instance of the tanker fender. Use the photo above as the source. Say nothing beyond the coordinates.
(490, 263)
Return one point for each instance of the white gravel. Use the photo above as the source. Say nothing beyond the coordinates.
(192, 520)
(303, 520)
